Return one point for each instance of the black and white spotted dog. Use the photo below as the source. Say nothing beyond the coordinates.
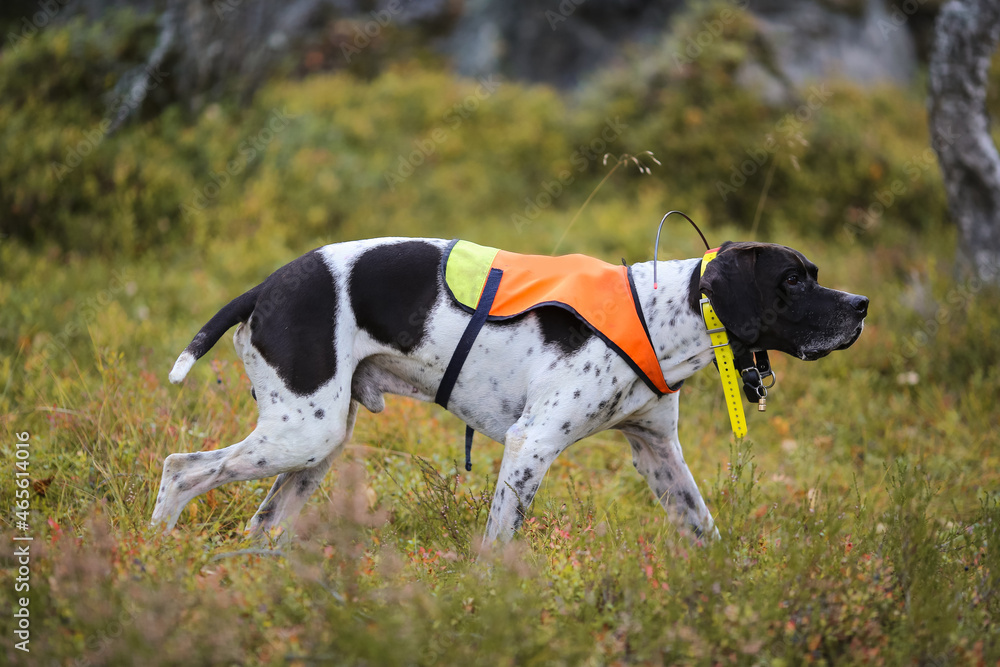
(347, 323)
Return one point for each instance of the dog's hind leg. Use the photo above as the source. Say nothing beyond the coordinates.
(291, 490)
(272, 449)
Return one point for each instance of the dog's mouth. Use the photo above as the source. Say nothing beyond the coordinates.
(854, 336)
(814, 353)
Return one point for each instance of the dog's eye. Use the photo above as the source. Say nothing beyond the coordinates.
(792, 280)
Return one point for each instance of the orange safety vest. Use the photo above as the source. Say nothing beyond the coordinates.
(602, 295)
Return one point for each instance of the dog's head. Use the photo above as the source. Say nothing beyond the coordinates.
(768, 298)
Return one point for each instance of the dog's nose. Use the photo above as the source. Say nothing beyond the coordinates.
(860, 303)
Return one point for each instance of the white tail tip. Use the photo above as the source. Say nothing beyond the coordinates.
(181, 367)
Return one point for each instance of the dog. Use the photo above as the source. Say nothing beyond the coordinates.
(347, 323)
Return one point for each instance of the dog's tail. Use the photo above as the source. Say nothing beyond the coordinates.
(236, 311)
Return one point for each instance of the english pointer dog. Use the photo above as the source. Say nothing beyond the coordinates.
(565, 348)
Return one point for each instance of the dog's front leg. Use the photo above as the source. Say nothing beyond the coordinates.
(661, 462)
(657, 455)
(529, 450)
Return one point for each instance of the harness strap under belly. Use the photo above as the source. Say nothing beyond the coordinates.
(465, 344)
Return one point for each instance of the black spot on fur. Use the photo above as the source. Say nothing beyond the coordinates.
(319, 414)
(519, 484)
(311, 459)
(265, 511)
(253, 393)
(586, 367)
(688, 499)
(393, 288)
(563, 328)
(519, 518)
(284, 418)
(262, 462)
(566, 427)
(293, 324)
(576, 394)
(303, 486)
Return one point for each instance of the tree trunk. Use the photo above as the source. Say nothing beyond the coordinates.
(967, 35)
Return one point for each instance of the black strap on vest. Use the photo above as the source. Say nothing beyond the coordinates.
(461, 353)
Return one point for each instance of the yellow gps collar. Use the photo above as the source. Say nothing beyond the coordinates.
(731, 382)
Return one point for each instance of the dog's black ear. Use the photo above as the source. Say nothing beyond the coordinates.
(730, 282)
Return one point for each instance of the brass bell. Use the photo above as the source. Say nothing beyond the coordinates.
(762, 405)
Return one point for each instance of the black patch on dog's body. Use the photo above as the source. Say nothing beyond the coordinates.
(563, 328)
(296, 310)
(393, 288)
(694, 292)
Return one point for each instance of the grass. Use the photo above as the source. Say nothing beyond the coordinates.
(859, 520)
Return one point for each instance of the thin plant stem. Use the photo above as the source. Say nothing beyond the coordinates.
(763, 198)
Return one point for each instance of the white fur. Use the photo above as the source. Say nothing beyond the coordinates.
(181, 367)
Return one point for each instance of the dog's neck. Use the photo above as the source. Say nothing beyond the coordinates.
(675, 324)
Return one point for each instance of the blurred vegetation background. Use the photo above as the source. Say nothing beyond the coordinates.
(150, 171)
